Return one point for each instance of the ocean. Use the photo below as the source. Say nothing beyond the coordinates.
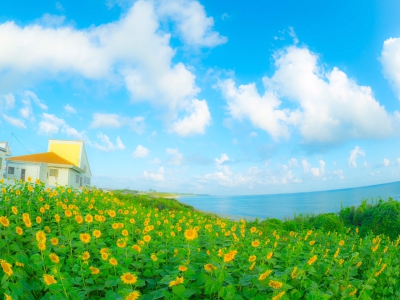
(283, 206)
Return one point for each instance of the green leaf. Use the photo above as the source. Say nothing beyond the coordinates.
(211, 286)
(179, 290)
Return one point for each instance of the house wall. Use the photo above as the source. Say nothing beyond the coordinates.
(72, 178)
(2, 162)
(31, 170)
(70, 150)
(87, 176)
(61, 179)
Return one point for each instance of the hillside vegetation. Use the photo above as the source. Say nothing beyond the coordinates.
(63, 243)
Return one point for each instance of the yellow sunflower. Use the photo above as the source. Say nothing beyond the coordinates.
(94, 270)
(275, 284)
(54, 258)
(4, 221)
(133, 296)
(49, 279)
(209, 267)
(191, 234)
(113, 261)
(129, 278)
(85, 237)
(6, 267)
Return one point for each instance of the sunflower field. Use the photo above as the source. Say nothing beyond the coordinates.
(63, 243)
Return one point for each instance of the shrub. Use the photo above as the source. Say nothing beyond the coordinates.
(328, 222)
(383, 218)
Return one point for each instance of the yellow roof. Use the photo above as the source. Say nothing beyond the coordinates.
(46, 157)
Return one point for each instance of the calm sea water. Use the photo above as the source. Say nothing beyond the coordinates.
(286, 205)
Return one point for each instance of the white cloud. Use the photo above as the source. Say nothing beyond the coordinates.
(156, 161)
(14, 121)
(306, 165)
(50, 124)
(339, 173)
(293, 162)
(220, 161)
(318, 172)
(386, 162)
(253, 134)
(197, 119)
(140, 152)
(69, 109)
(390, 59)
(107, 145)
(176, 156)
(48, 20)
(192, 23)
(159, 176)
(7, 101)
(326, 106)
(29, 95)
(100, 120)
(105, 120)
(244, 102)
(132, 49)
(72, 132)
(26, 111)
(354, 155)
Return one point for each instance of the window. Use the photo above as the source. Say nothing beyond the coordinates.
(86, 180)
(54, 172)
(77, 178)
(11, 170)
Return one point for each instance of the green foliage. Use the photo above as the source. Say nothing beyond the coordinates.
(327, 222)
(383, 217)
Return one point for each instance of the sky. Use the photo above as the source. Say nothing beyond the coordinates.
(209, 97)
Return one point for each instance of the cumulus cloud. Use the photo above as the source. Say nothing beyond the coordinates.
(50, 124)
(196, 121)
(320, 171)
(158, 176)
(390, 59)
(386, 162)
(107, 145)
(132, 49)
(100, 120)
(14, 121)
(244, 102)
(222, 159)
(140, 152)
(354, 154)
(192, 23)
(325, 106)
(69, 109)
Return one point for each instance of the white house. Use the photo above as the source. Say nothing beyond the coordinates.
(4, 151)
(65, 163)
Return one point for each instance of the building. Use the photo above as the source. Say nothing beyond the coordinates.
(65, 163)
(4, 151)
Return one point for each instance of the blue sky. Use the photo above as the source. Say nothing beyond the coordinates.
(218, 97)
